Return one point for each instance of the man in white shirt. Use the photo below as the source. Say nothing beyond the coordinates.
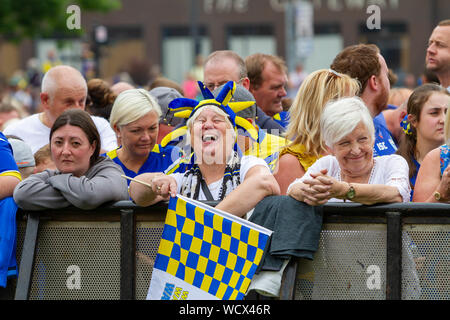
(63, 87)
(438, 53)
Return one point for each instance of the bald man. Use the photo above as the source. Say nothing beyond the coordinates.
(63, 87)
(225, 65)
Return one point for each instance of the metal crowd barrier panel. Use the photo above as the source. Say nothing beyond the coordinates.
(396, 251)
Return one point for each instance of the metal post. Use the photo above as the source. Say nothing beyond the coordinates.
(287, 290)
(289, 28)
(127, 254)
(394, 256)
(194, 29)
(27, 260)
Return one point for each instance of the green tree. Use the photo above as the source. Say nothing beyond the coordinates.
(21, 19)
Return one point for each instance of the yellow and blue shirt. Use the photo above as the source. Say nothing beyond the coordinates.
(385, 143)
(282, 118)
(8, 209)
(8, 166)
(267, 147)
(160, 159)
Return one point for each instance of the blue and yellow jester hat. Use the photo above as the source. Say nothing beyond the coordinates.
(188, 107)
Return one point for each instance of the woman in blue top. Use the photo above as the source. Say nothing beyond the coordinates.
(135, 120)
(423, 126)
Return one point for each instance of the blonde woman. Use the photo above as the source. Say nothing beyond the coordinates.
(307, 144)
(135, 120)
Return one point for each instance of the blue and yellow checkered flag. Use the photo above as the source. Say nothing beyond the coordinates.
(205, 253)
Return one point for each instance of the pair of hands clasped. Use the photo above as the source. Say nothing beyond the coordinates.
(321, 188)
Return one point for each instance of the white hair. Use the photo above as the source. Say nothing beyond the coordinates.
(131, 105)
(340, 118)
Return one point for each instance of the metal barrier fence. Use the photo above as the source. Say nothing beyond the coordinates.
(397, 251)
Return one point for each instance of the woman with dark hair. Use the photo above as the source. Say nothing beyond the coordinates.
(82, 178)
(423, 126)
(433, 178)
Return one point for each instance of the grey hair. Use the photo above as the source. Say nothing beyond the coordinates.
(131, 105)
(340, 118)
(220, 55)
(52, 78)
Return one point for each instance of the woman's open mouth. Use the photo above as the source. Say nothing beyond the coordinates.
(209, 138)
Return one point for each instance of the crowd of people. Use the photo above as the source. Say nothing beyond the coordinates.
(345, 136)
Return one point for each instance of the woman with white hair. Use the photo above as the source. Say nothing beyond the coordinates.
(135, 120)
(218, 173)
(351, 172)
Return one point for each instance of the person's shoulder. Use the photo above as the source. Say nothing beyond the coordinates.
(329, 162)
(112, 154)
(3, 139)
(166, 149)
(288, 159)
(391, 161)
(250, 161)
(250, 158)
(22, 124)
(379, 119)
(104, 163)
(390, 157)
(100, 122)
(441, 152)
(328, 159)
(5, 147)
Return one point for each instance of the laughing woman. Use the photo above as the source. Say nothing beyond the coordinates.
(218, 173)
(351, 172)
(82, 178)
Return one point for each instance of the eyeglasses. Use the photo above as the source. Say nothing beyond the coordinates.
(212, 86)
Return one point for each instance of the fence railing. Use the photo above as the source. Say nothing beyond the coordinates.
(396, 251)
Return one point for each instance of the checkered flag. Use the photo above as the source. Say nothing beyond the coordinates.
(205, 254)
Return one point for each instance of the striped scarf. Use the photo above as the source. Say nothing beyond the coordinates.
(231, 179)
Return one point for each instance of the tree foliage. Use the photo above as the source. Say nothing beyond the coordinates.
(21, 19)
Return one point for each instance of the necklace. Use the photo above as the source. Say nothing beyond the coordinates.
(370, 176)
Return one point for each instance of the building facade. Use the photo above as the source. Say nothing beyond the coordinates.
(168, 34)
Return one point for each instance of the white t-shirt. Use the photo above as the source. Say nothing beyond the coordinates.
(36, 134)
(391, 170)
(247, 162)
